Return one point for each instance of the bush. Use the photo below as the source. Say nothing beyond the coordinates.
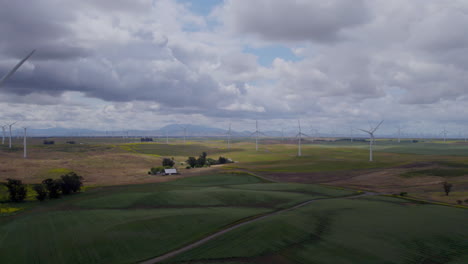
(210, 161)
(168, 162)
(41, 192)
(459, 201)
(16, 190)
(403, 194)
(466, 201)
(49, 142)
(188, 167)
(192, 161)
(447, 187)
(156, 170)
(222, 160)
(54, 187)
(71, 182)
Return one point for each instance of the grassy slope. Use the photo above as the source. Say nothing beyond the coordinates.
(124, 224)
(365, 230)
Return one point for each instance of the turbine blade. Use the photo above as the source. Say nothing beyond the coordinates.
(373, 130)
(15, 68)
(368, 132)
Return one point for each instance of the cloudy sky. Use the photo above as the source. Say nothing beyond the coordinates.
(142, 64)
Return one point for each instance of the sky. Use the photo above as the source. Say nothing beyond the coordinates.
(140, 64)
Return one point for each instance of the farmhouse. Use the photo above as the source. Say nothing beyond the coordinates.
(170, 171)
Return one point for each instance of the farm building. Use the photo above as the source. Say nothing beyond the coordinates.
(170, 171)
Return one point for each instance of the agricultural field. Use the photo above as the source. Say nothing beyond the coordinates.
(415, 168)
(126, 224)
(392, 210)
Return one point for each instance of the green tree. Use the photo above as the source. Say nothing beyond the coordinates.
(192, 161)
(54, 187)
(71, 182)
(167, 162)
(222, 160)
(41, 192)
(16, 190)
(447, 187)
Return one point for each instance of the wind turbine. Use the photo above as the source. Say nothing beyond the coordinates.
(9, 74)
(24, 143)
(444, 132)
(3, 134)
(371, 134)
(299, 136)
(185, 132)
(399, 133)
(228, 134)
(9, 126)
(256, 135)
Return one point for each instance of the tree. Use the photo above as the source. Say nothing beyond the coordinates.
(16, 190)
(41, 192)
(167, 162)
(54, 187)
(222, 160)
(192, 161)
(447, 188)
(71, 182)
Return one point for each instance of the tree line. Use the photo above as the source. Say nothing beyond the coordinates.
(51, 188)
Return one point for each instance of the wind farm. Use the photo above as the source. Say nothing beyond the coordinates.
(235, 132)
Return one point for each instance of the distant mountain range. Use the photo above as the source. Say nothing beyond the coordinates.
(172, 130)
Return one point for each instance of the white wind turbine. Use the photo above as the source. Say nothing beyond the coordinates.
(256, 132)
(299, 136)
(444, 132)
(9, 74)
(25, 149)
(228, 134)
(9, 127)
(3, 134)
(371, 134)
(399, 133)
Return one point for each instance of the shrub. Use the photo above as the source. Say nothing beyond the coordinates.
(71, 182)
(466, 201)
(41, 192)
(447, 187)
(54, 187)
(188, 167)
(168, 162)
(403, 194)
(222, 160)
(459, 201)
(156, 170)
(16, 190)
(210, 161)
(192, 161)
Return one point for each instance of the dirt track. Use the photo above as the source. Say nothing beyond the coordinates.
(221, 232)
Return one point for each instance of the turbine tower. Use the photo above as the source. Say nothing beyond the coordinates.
(371, 134)
(399, 133)
(256, 135)
(299, 136)
(444, 132)
(9, 74)
(9, 126)
(3, 134)
(24, 143)
(228, 134)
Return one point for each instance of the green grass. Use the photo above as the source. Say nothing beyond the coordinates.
(441, 172)
(126, 224)
(364, 230)
(108, 236)
(218, 179)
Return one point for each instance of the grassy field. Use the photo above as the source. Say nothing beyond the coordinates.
(363, 230)
(125, 224)
(415, 168)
